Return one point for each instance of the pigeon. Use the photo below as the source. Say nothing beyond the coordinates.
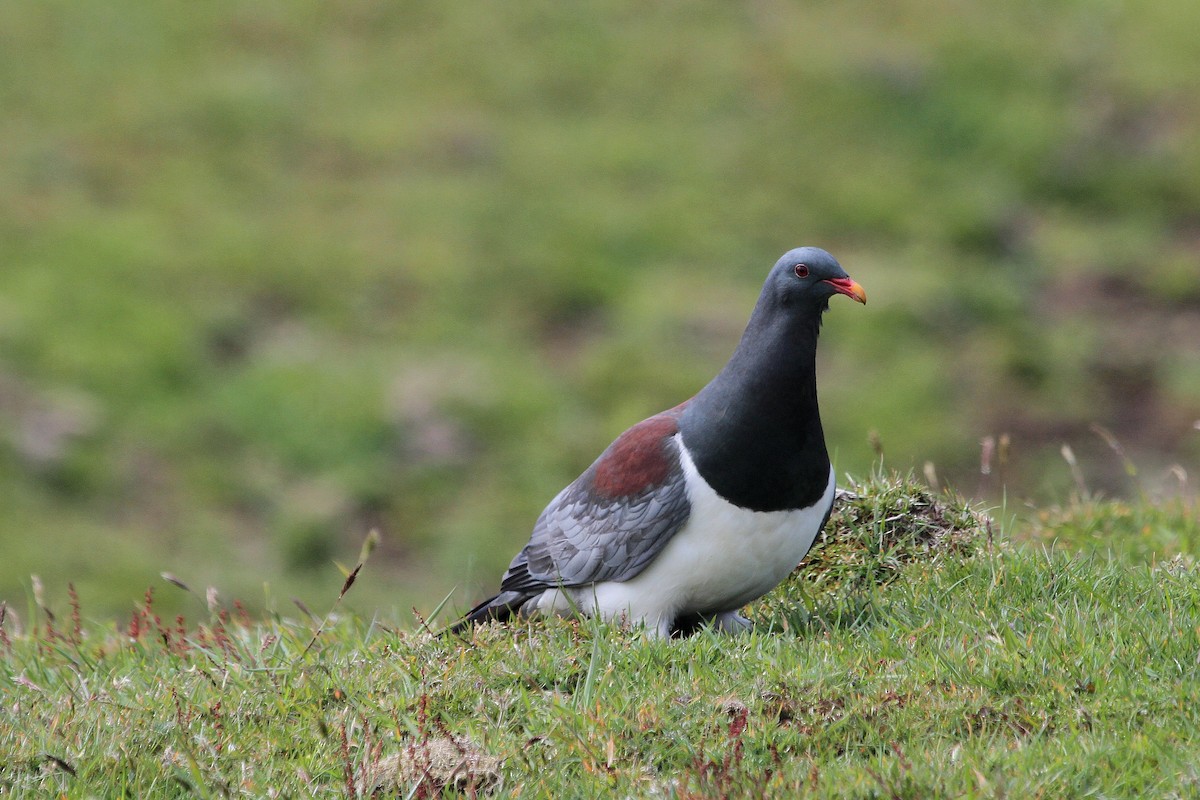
(693, 513)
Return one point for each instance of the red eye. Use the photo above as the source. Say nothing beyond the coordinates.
(801, 270)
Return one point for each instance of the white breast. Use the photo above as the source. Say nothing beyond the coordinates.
(724, 557)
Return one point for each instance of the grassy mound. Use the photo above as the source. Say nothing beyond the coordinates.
(877, 528)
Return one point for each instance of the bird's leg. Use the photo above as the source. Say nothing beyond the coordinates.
(730, 622)
(649, 627)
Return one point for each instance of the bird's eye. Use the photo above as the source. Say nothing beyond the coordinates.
(801, 270)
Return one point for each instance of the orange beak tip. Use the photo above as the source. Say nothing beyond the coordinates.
(858, 292)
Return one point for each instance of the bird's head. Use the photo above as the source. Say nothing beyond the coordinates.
(809, 276)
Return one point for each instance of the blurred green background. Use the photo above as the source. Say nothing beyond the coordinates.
(274, 274)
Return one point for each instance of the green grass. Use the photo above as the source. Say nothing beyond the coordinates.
(918, 654)
(277, 274)
(1135, 532)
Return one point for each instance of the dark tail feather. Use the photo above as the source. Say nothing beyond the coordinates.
(501, 608)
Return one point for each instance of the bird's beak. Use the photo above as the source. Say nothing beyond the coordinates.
(848, 287)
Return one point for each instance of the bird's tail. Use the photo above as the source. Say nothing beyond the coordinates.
(501, 608)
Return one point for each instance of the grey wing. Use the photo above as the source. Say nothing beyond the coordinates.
(583, 537)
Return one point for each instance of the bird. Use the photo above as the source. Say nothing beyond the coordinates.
(693, 513)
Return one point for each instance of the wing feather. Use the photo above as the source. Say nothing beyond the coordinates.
(590, 533)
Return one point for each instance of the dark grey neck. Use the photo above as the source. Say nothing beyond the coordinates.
(754, 432)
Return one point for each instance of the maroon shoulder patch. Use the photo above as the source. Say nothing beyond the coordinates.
(639, 458)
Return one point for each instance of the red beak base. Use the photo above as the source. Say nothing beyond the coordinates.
(850, 288)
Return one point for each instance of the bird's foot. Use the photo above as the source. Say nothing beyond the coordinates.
(731, 622)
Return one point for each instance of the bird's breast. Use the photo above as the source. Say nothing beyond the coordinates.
(726, 556)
